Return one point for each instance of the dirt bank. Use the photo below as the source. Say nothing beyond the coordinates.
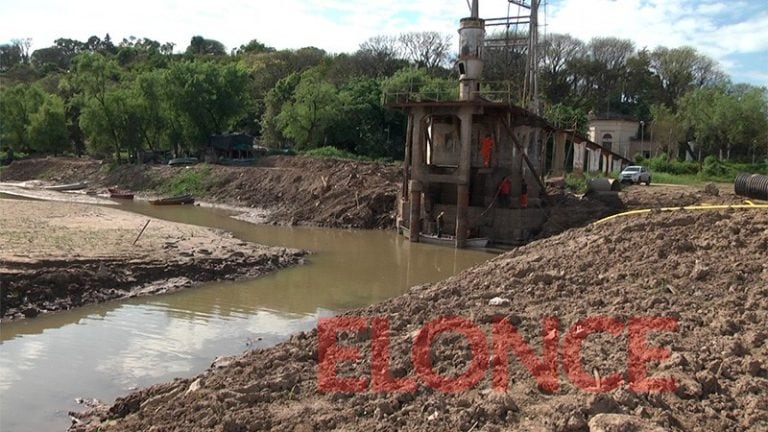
(279, 190)
(569, 211)
(708, 271)
(56, 256)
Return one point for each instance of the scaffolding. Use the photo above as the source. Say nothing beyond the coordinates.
(515, 37)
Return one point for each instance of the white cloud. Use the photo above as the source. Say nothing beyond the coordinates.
(341, 25)
(670, 23)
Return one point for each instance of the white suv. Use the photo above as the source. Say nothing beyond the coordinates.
(635, 174)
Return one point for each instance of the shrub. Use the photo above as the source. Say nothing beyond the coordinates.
(713, 167)
(191, 180)
(576, 183)
(333, 153)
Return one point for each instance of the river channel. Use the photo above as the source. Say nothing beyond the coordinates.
(106, 350)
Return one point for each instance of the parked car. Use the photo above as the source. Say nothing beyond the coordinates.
(635, 174)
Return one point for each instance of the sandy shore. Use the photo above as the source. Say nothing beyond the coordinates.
(58, 255)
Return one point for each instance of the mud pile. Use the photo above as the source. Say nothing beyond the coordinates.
(705, 272)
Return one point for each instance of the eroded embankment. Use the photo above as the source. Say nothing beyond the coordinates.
(707, 272)
(56, 256)
(280, 189)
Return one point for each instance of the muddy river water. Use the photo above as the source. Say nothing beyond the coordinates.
(103, 351)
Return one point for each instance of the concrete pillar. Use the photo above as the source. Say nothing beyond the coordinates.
(415, 186)
(558, 154)
(465, 165)
(594, 160)
(415, 214)
(578, 158)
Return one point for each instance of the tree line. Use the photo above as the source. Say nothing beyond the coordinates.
(115, 100)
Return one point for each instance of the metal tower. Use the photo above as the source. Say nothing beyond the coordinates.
(517, 36)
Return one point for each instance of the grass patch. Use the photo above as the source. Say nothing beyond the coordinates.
(194, 180)
(711, 169)
(678, 179)
(576, 183)
(331, 152)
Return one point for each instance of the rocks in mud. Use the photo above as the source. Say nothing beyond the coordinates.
(711, 189)
(499, 301)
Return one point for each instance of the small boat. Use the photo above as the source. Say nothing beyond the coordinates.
(183, 161)
(117, 193)
(449, 240)
(177, 200)
(67, 187)
(121, 195)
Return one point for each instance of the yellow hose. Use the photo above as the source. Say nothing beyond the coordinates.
(748, 205)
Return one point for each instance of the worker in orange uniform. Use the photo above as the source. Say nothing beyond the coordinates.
(523, 194)
(505, 187)
(486, 147)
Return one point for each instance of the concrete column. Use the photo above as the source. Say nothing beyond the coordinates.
(418, 146)
(415, 214)
(407, 160)
(594, 160)
(558, 154)
(578, 158)
(417, 170)
(465, 165)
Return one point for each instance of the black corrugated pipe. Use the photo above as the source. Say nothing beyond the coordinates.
(752, 186)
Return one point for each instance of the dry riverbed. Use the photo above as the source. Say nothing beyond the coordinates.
(55, 256)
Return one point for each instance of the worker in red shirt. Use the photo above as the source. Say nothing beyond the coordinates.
(505, 188)
(523, 194)
(486, 147)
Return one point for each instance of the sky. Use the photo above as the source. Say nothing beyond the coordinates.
(735, 32)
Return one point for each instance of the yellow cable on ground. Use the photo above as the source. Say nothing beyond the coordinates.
(750, 205)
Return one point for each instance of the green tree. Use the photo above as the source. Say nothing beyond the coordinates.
(208, 98)
(680, 70)
(727, 122)
(200, 46)
(311, 110)
(48, 127)
(18, 105)
(418, 84)
(665, 129)
(276, 98)
(94, 80)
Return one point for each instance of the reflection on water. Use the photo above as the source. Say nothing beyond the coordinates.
(103, 351)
